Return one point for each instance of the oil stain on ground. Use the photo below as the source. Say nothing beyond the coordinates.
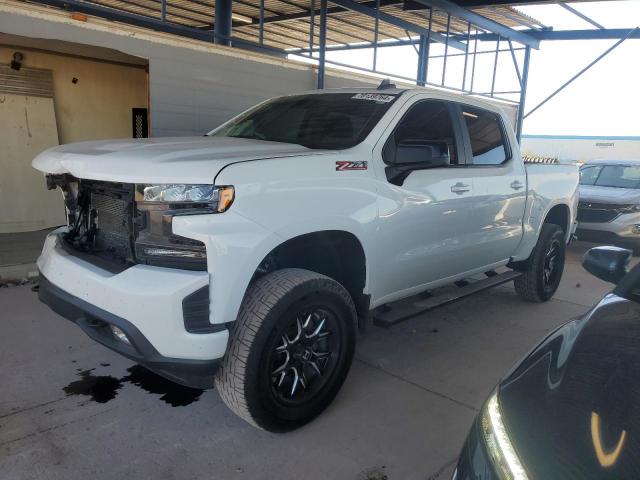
(172, 393)
(375, 473)
(100, 389)
(103, 388)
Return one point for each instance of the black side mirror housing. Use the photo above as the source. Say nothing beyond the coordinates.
(607, 263)
(425, 153)
(410, 155)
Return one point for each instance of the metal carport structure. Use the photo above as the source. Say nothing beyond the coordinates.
(308, 29)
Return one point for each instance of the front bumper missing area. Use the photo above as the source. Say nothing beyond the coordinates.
(96, 323)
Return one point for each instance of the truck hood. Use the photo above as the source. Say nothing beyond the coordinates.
(160, 160)
(611, 195)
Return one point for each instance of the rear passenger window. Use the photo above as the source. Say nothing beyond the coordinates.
(488, 145)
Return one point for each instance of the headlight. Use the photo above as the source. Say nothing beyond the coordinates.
(157, 205)
(630, 209)
(216, 198)
(496, 438)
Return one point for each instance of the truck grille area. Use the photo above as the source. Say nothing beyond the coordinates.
(113, 231)
(104, 233)
(113, 225)
(599, 212)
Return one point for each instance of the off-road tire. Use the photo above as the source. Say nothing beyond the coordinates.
(531, 285)
(269, 302)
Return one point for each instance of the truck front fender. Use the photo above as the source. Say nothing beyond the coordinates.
(235, 248)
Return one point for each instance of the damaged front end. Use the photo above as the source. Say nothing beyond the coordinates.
(112, 226)
(69, 186)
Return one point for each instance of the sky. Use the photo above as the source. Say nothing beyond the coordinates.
(604, 101)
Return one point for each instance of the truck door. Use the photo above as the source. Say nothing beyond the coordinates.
(425, 199)
(499, 187)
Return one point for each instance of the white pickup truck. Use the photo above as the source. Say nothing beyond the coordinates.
(246, 257)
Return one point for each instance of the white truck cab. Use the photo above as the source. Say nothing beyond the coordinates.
(247, 255)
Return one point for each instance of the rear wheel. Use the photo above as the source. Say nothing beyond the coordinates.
(290, 351)
(543, 270)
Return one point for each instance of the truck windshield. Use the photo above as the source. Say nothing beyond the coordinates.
(618, 176)
(321, 121)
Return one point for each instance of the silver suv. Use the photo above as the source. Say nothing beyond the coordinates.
(609, 207)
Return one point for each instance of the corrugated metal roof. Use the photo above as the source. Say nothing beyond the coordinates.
(343, 26)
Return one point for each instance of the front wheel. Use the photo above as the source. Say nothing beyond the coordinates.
(543, 270)
(290, 351)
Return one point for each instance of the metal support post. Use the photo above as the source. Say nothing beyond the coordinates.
(222, 26)
(523, 92)
(323, 43)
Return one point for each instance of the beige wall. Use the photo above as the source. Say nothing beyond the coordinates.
(27, 127)
(99, 105)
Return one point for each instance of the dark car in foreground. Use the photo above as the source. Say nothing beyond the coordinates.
(571, 408)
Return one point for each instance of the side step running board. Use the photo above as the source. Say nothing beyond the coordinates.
(411, 307)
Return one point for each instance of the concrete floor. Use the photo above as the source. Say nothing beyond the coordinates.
(403, 412)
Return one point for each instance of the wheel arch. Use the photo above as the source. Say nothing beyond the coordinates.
(560, 215)
(338, 254)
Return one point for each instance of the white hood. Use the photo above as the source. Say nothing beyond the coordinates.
(160, 160)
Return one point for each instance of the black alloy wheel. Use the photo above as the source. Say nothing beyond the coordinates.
(290, 349)
(542, 271)
(302, 359)
(551, 268)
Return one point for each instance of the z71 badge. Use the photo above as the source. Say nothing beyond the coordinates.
(342, 165)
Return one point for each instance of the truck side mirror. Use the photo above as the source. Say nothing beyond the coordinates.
(607, 263)
(422, 153)
(410, 155)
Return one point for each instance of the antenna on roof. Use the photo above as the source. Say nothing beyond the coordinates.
(386, 84)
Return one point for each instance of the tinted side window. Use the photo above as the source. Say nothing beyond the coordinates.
(488, 145)
(426, 121)
(619, 176)
(589, 174)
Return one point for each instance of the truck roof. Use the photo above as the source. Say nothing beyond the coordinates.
(488, 102)
(387, 91)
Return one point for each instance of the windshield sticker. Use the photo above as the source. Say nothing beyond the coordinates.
(374, 97)
(343, 165)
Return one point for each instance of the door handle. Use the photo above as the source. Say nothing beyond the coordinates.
(516, 185)
(460, 188)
